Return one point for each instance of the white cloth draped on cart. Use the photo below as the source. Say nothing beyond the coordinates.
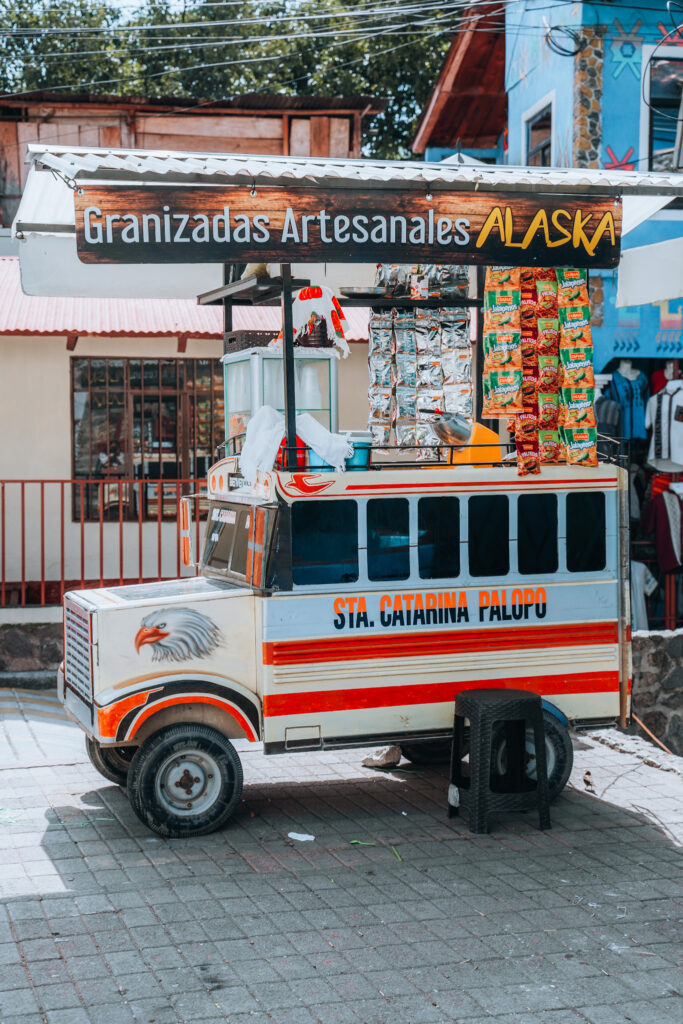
(266, 431)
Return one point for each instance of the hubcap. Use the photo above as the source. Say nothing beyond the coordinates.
(530, 767)
(188, 782)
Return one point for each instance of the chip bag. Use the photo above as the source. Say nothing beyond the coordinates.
(527, 457)
(547, 373)
(576, 407)
(572, 288)
(502, 350)
(577, 367)
(502, 277)
(548, 410)
(529, 354)
(505, 392)
(548, 335)
(581, 446)
(549, 446)
(546, 298)
(526, 426)
(575, 327)
(530, 391)
(501, 309)
(527, 311)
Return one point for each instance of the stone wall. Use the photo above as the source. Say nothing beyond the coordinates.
(30, 647)
(587, 126)
(657, 697)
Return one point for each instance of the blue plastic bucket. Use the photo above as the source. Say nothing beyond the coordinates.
(318, 463)
(362, 442)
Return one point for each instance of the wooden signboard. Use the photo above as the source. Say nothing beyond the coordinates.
(120, 224)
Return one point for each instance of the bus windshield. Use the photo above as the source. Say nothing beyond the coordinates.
(226, 539)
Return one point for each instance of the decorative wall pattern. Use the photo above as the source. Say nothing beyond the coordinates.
(626, 49)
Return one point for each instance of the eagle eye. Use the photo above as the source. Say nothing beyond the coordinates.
(162, 625)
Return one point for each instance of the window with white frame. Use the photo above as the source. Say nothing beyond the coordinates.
(665, 109)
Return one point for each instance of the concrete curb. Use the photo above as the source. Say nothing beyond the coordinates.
(43, 679)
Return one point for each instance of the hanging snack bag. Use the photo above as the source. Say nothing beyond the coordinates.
(548, 336)
(457, 366)
(405, 433)
(380, 370)
(581, 446)
(577, 367)
(527, 279)
(529, 352)
(502, 350)
(455, 328)
(381, 432)
(511, 425)
(419, 285)
(576, 407)
(380, 334)
(502, 277)
(505, 392)
(405, 371)
(527, 310)
(545, 274)
(527, 457)
(575, 327)
(526, 426)
(404, 332)
(406, 403)
(548, 410)
(501, 309)
(427, 333)
(429, 371)
(546, 298)
(548, 373)
(448, 281)
(380, 403)
(429, 400)
(572, 288)
(486, 413)
(549, 446)
(458, 398)
(530, 391)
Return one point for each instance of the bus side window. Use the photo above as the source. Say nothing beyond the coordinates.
(438, 538)
(586, 545)
(537, 533)
(324, 542)
(489, 535)
(388, 539)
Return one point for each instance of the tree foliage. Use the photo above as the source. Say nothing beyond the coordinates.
(205, 50)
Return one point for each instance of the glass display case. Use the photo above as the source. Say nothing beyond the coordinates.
(255, 377)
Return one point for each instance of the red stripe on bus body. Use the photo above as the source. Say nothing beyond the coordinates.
(392, 645)
(369, 697)
(492, 484)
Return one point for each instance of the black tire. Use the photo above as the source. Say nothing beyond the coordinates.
(559, 754)
(427, 751)
(185, 780)
(112, 762)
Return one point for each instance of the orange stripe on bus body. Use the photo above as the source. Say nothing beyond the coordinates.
(393, 645)
(369, 697)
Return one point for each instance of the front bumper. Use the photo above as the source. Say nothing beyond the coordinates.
(76, 708)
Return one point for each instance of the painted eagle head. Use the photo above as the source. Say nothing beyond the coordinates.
(178, 634)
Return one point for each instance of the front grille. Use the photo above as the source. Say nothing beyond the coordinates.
(77, 649)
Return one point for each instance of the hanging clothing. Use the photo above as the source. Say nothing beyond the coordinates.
(664, 415)
(608, 418)
(632, 396)
(643, 583)
(658, 381)
(662, 517)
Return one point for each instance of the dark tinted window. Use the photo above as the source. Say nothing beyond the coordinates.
(537, 533)
(438, 537)
(221, 529)
(489, 535)
(238, 562)
(586, 532)
(324, 541)
(388, 539)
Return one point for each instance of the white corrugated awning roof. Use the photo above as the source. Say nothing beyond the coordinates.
(136, 166)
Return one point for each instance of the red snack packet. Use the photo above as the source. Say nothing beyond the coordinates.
(529, 357)
(549, 446)
(530, 391)
(526, 426)
(527, 457)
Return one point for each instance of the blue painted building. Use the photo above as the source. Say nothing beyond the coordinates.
(599, 85)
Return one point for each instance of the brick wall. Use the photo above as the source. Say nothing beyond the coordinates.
(587, 127)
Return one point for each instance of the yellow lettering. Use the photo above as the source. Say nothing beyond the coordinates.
(565, 233)
(605, 226)
(494, 220)
(579, 236)
(539, 222)
(508, 231)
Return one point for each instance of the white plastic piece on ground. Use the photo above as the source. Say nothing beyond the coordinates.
(453, 795)
(302, 837)
(385, 757)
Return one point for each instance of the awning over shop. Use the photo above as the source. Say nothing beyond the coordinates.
(651, 273)
(45, 223)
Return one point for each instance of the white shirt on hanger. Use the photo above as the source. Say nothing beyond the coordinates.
(670, 427)
(643, 584)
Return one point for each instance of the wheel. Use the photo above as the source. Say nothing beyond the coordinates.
(185, 780)
(427, 751)
(112, 762)
(559, 754)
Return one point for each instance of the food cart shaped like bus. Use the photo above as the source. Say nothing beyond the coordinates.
(343, 609)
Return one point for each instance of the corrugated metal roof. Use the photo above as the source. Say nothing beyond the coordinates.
(142, 318)
(194, 107)
(133, 166)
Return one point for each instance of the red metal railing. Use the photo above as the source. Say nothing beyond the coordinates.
(57, 535)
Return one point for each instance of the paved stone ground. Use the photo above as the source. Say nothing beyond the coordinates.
(102, 923)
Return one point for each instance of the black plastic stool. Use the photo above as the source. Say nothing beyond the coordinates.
(479, 792)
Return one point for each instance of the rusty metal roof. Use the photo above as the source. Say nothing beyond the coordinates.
(22, 314)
